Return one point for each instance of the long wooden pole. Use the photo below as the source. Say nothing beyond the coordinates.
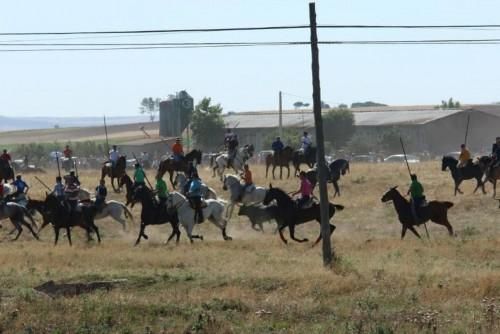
(467, 129)
(106, 133)
(318, 122)
(280, 118)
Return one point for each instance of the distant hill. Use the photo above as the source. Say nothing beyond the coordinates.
(25, 123)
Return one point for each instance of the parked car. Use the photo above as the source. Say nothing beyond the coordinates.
(363, 158)
(401, 158)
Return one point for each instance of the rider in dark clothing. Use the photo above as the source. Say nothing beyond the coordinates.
(231, 142)
(100, 195)
(21, 187)
(277, 147)
(495, 150)
(191, 171)
(194, 196)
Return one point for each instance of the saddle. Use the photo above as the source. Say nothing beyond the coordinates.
(307, 205)
(250, 188)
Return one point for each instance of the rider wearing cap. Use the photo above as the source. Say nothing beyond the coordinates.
(177, 150)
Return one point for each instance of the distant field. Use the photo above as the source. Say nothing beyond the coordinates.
(257, 284)
(115, 132)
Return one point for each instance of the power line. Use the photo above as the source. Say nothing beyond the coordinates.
(284, 27)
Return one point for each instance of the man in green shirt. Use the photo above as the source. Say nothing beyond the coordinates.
(139, 176)
(417, 196)
(162, 190)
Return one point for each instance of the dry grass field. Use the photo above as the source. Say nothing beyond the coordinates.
(257, 284)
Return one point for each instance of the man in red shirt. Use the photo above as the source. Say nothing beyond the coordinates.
(177, 150)
(68, 153)
(5, 156)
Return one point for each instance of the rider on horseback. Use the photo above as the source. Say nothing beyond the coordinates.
(72, 178)
(231, 142)
(417, 196)
(6, 156)
(177, 150)
(277, 146)
(464, 158)
(59, 189)
(191, 171)
(71, 192)
(21, 188)
(306, 143)
(305, 190)
(113, 156)
(100, 195)
(162, 191)
(194, 195)
(139, 176)
(68, 153)
(246, 176)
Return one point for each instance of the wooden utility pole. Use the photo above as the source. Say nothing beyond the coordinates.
(318, 122)
(467, 129)
(280, 119)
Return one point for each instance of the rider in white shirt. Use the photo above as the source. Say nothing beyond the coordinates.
(306, 142)
(114, 155)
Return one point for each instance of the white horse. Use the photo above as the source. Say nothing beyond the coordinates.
(115, 210)
(207, 192)
(242, 155)
(254, 196)
(214, 211)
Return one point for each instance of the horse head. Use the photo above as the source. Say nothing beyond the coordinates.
(390, 195)
(228, 181)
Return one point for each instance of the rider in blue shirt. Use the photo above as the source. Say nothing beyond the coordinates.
(277, 147)
(194, 196)
(21, 187)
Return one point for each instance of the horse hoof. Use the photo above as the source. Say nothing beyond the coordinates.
(228, 238)
(201, 237)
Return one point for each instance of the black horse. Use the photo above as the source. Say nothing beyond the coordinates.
(289, 214)
(55, 212)
(153, 214)
(301, 157)
(336, 169)
(470, 171)
(170, 165)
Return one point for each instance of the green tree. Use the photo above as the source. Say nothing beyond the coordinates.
(290, 137)
(390, 141)
(367, 104)
(207, 124)
(361, 144)
(450, 104)
(338, 125)
(150, 106)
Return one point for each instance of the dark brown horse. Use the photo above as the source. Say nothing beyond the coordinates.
(281, 160)
(288, 215)
(491, 171)
(6, 171)
(126, 181)
(435, 211)
(301, 157)
(170, 165)
(114, 172)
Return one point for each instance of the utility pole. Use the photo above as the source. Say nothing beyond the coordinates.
(280, 131)
(318, 122)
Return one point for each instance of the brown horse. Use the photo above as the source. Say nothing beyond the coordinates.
(114, 172)
(282, 160)
(170, 165)
(435, 211)
(6, 171)
(491, 171)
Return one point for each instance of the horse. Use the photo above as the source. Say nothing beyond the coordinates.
(213, 211)
(281, 160)
(470, 171)
(6, 171)
(126, 181)
(335, 170)
(17, 213)
(152, 214)
(289, 215)
(114, 172)
(435, 211)
(68, 163)
(53, 211)
(241, 157)
(206, 192)
(232, 183)
(299, 157)
(170, 165)
(492, 173)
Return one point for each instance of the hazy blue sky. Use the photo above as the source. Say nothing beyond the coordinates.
(93, 83)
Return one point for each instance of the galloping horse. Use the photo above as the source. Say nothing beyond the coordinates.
(114, 172)
(206, 192)
(281, 160)
(470, 171)
(170, 165)
(213, 211)
(6, 171)
(242, 155)
(126, 181)
(289, 215)
(16, 213)
(232, 183)
(300, 157)
(336, 169)
(435, 211)
(492, 173)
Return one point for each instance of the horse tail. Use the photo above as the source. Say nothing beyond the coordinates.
(338, 207)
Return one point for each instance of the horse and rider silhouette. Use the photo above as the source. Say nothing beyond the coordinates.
(114, 172)
(171, 165)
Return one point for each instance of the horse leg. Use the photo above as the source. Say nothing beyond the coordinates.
(332, 228)
(56, 233)
(172, 234)
(403, 231)
(280, 230)
(19, 230)
(494, 188)
(274, 168)
(336, 187)
(141, 233)
(457, 187)
(23, 222)
(288, 168)
(291, 229)
(189, 230)
(94, 227)
(411, 228)
(68, 234)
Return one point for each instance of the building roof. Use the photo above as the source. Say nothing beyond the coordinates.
(304, 118)
(492, 109)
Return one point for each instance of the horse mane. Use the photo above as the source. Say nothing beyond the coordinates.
(281, 194)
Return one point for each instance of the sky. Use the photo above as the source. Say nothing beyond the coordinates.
(93, 83)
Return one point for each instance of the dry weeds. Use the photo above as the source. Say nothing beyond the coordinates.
(256, 284)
